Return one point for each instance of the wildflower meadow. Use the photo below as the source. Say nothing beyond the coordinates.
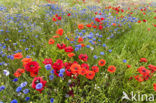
(77, 51)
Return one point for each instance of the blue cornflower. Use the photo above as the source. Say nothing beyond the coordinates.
(39, 86)
(4, 47)
(27, 56)
(80, 33)
(90, 41)
(60, 74)
(25, 91)
(95, 57)
(8, 56)
(24, 40)
(100, 36)
(94, 39)
(36, 36)
(14, 101)
(52, 71)
(15, 80)
(14, 43)
(11, 57)
(23, 84)
(110, 50)
(18, 89)
(27, 98)
(48, 66)
(2, 88)
(6, 39)
(104, 45)
(3, 55)
(102, 53)
(52, 100)
(76, 49)
(26, 49)
(62, 70)
(88, 46)
(124, 60)
(51, 77)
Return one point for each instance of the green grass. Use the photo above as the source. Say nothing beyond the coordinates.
(133, 44)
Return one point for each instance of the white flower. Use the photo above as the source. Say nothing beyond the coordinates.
(6, 72)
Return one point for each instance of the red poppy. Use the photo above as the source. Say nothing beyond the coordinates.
(142, 70)
(80, 39)
(82, 45)
(56, 72)
(89, 25)
(56, 36)
(128, 66)
(59, 31)
(80, 26)
(19, 72)
(94, 26)
(139, 21)
(84, 65)
(67, 65)
(59, 18)
(152, 68)
(82, 71)
(83, 57)
(18, 56)
(143, 60)
(111, 69)
(71, 55)
(51, 41)
(130, 78)
(139, 78)
(26, 60)
(75, 68)
(114, 24)
(58, 64)
(154, 86)
(48, 61)
(38, 80)
(144, 13)
(148, 29)
(144, 20)
(154, 17)
(61, 46)
(69, 49)
(68, 72)
(71, 93)
(102, 18)
(68, 14)
(122, 10)
(32, 66)
(102, 62)
(95, 68)
(90, 74)
(97, 20)
(100, 27)
(33, 74)
(54, 19)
